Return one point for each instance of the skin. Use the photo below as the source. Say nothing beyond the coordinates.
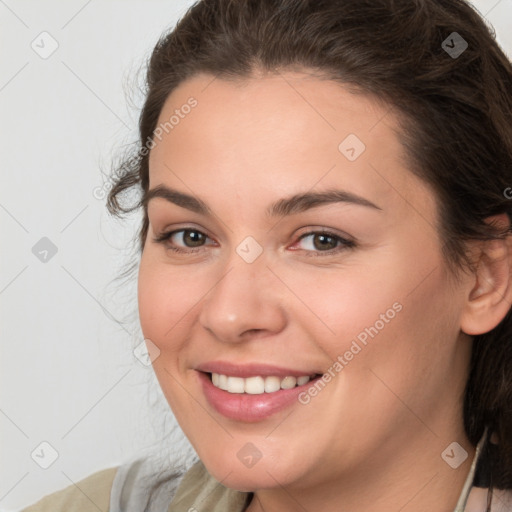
(372, 439)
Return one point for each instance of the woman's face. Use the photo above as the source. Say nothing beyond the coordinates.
(306, 247)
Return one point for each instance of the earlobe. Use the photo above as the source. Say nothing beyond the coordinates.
(490, 295)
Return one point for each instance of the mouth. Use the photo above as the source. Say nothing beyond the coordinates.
(258, 384)
(253, 398)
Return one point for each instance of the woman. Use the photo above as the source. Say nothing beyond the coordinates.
(325, 274)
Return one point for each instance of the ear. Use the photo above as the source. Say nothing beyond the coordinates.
(489, 295)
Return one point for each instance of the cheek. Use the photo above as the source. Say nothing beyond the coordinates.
(152, 297)
(163, 306)
(408, 351)
(342, 304)
(377, 317)
(165, 297)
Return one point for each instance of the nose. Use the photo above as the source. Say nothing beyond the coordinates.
(244, 303)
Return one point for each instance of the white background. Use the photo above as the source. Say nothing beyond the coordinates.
(68, 375)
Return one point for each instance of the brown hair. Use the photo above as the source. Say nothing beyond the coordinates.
(455, 115)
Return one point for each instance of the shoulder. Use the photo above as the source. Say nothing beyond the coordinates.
(502, 500)
(92, 494)
(477, 500)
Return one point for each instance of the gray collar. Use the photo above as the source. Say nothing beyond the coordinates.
(145, 484)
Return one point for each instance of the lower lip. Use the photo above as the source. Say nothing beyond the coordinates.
(247, 407)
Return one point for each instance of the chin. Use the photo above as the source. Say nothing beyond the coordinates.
(248, 481)
(262, 475)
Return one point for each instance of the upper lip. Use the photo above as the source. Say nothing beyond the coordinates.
(251, 369)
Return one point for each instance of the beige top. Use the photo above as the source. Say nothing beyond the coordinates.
(198, 491)
(91, 494)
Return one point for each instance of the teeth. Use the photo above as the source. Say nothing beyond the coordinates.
(288, 383)
(223, 382)
(235, 385)
(272, 384)
(256, 385)
(302, 380)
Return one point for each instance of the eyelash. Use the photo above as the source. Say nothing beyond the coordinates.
(163, 238)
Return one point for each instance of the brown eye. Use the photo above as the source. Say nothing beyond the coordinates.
(323, 242)
(192, 238)
(182, 239)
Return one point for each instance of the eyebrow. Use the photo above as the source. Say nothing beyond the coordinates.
(286, 206)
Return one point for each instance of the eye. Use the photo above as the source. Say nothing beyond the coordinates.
(183, 240)
(314, 243)
(324, 242)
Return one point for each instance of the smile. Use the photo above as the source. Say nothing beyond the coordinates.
(257, 385)
(252, 397)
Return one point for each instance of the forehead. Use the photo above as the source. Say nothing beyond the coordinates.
(288, 105)
(281, 131)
